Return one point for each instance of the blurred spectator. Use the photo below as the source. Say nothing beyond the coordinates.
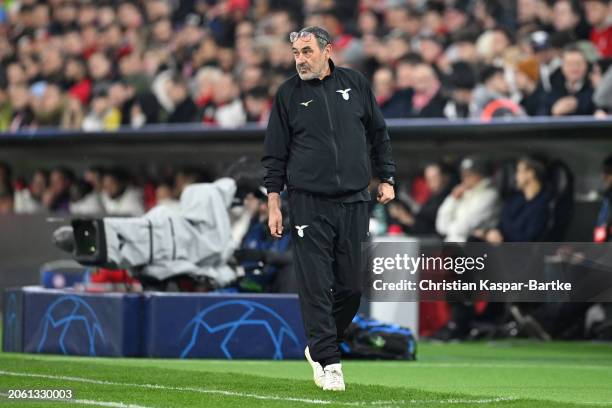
(164, 195)
(84, 199)
(6, 175)
(23, 116)
(257, 105)
(602, 78)
(225, 109)
(575, 97)
(566, 17)
(393, 103)
(118, 197)
(189, 175)
(103, 115)
(462, 81)
(427, 100)
(439, 182)
(603, 226)
(6, 200)
(525, 214)
(472, 205)
(86, 195)
(549, 58)
(57, 196)
(599, 16)
(266, 261)
(48, 108)
(491, 97)
(527, 76)
(29, 200)
(6, 112)
(185, 109)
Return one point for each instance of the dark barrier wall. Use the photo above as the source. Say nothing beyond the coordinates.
(25, 241)
(25, 245)
(581, 141)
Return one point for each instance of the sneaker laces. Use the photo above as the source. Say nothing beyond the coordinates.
(333, 375)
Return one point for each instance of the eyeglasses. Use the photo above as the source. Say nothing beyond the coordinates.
(305, 35)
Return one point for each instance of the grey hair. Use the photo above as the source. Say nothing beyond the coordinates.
(322, 36)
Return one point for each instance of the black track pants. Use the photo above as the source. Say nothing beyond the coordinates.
(327, 239)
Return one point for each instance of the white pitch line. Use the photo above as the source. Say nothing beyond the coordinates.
(495, 365)
(171, 388)
(110, 404)
(255, 396)
(446, 401)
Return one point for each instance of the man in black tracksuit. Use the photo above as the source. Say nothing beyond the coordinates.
(324, 133)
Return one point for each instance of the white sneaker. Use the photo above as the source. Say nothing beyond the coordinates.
(317, 369)
(334, 379)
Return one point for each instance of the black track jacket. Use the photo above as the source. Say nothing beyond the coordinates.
(322, 134)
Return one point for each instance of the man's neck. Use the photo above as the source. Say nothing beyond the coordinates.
(531, 190)
(327, 71)
(574, 86)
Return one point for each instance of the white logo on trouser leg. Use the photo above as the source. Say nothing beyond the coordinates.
(300, 230)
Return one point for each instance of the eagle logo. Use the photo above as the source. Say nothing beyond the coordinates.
(300, 230)
(345, 93)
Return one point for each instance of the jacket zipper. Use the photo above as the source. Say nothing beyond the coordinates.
(331, 125)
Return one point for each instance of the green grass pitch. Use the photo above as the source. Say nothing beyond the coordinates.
(505, 374)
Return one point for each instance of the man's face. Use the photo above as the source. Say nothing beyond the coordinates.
(38, 184)
(383, 83)
(405, 75)
(498, 84)
(435, 179)
(596, 12)
(6, 205)
(110, 186)
(462, 96)
(523, 175)
(470, 179)
(57, 181)
(424, 78)
(564, 17)
(574, 66)
(310, 60)
(607, 181)
(527, 10)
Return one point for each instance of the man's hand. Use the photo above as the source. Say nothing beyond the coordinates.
(275, 217)
(458, 191)
(385, 193)
(401, 214)
(565, 106)
(494, 236)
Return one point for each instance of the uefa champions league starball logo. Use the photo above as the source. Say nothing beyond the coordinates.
(229, 320)
(10, 316)
(73, 318)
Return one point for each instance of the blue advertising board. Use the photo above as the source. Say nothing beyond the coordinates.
(225, 326)
(12, 320)
(62, 322)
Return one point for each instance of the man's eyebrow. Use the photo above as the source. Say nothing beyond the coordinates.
(307, 48)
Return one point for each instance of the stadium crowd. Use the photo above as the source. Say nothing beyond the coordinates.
(79, 64)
